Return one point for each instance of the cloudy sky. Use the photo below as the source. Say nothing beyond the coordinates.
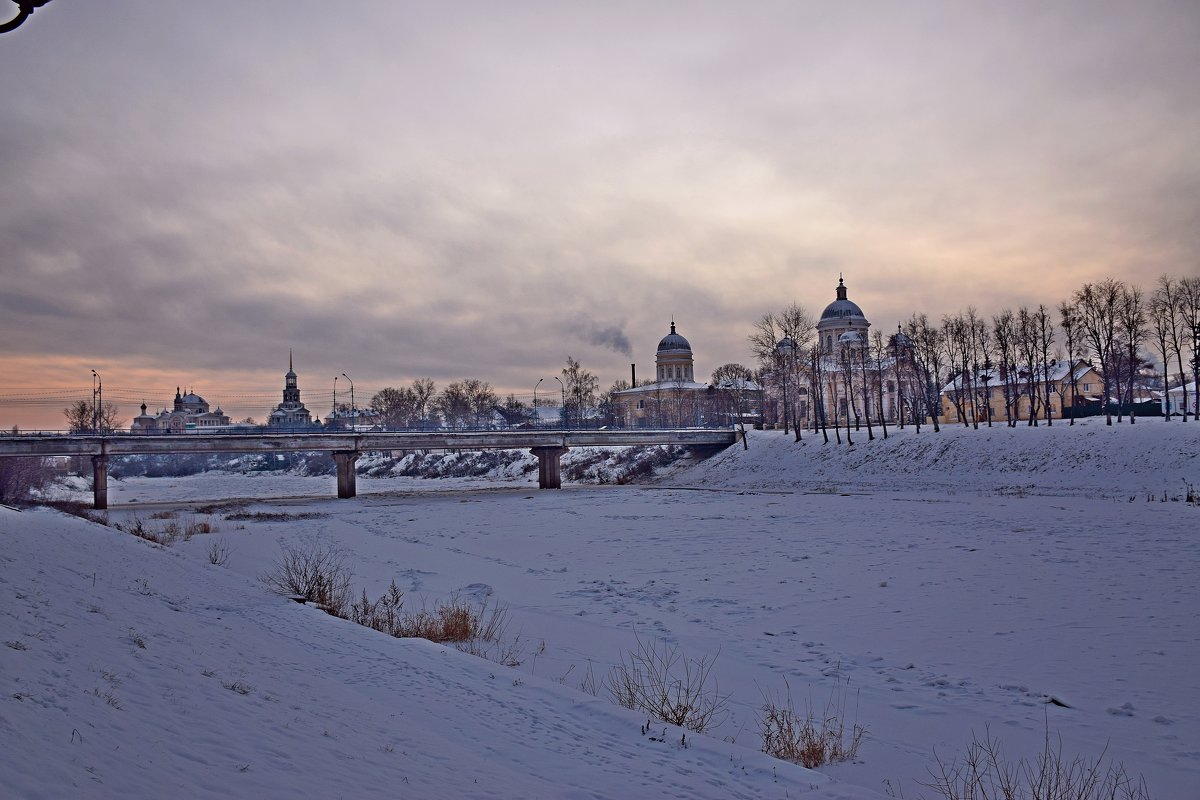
(395, 189)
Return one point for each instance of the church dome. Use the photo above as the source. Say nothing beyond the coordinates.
(674, 343)
(842, 311)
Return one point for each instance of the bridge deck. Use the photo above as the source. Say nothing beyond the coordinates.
(198, 442)
(547, 445)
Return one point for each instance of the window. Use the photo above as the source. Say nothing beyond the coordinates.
(891, 386)
(1087, 387)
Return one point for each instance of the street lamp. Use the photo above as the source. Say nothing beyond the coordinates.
(24, 9)
(353, 407)
(97, 401)
(564, 399)
(535, 414)
(333, 413)
(784, 351)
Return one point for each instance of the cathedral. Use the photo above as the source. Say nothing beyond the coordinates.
(846, 377)
(190, 411)
(674, 399)
(291, 413)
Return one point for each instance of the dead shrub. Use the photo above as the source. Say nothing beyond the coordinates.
(984, 774)
(21, 477)
(476, 630)
(219, 552)
(807, 738)
(313, 571)
(657, 679)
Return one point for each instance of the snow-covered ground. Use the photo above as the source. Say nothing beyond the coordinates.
(940, 584)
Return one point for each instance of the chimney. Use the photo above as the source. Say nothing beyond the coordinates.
(633, 374)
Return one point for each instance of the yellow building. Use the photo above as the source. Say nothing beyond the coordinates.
(998, 393)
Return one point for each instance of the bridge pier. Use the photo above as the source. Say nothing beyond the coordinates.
(346, 476)
(100, 482)
(549, 476)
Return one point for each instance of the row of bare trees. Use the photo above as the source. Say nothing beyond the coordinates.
(1032, 355)
(471, 402)
(1030, 364)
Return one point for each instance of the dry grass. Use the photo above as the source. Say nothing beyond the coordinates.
(808, 738)
(983, 773)
(479, 630)
(219, 552)
(659, 680)
(314, 571)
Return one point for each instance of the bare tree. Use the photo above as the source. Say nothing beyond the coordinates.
(454, 404)
(1004, 332)
(981, 347)
(1131, 319)
(956, 347)
(581, 386)
(1098, 304)
(481, 400)
(395, 407)
(817, 367)
(21, 476)
(878, 354)
(733, 383)
(1043, 329)
(793, 321)
(424, 391)
(1189, 307)
(84, 417)
(927, 351)
(1068, 320)
(1166, 322)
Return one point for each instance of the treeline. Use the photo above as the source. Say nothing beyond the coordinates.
(472, 403)
(1033, 355)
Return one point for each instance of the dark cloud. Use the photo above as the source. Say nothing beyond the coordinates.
(404, 190)
(610, 337)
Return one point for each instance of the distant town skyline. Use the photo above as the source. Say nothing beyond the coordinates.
(397, 190)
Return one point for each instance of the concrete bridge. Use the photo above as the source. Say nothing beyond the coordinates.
(346, 446)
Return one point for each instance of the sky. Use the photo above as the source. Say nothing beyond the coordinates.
(393, 190)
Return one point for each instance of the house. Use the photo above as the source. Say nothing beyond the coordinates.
(1174, 399)
(998, 392)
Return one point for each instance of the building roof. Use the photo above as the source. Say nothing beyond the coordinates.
(1058, 372)
(842, 310)
(673, 343)
(665, 386)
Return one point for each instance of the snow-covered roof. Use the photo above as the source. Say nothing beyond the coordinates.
(1058, 372)
(664, 386)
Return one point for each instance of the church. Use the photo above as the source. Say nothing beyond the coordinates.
(846, 377)
(190, 411)
(675, 399)
(291, 413)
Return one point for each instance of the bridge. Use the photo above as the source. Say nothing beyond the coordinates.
(346, 446)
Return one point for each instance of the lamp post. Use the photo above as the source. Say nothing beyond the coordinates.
(563, 387)
(24, 9)
(97, 401)
(535, 414)
(353, 407)
(784, 351)
(333, 413)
